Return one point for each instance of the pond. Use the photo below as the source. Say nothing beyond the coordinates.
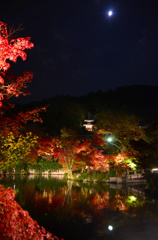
(87, 211)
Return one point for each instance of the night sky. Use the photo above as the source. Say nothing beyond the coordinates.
(80, 49)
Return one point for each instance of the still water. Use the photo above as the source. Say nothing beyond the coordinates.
(87, 211)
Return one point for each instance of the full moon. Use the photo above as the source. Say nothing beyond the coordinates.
(110, 13)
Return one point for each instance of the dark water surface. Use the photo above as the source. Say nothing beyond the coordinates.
(87, 211)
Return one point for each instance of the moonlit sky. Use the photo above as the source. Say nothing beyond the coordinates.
(80, 49)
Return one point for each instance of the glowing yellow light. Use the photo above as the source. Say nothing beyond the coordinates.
(132, 165)
(132, 198)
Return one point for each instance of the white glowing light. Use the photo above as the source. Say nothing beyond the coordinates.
(110, 227)
(109, 139)
(132, 165)
(110, 13)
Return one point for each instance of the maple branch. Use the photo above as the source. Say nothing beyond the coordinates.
(12, 31)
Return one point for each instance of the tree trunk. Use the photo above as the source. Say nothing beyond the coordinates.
(70, 176)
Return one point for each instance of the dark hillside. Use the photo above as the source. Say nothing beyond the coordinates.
(69, 111)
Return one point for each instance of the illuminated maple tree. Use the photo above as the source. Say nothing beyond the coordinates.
(67, 152)
(12, 85)
(47, 147)
(79, 154)
(71, 154)
(16, 223)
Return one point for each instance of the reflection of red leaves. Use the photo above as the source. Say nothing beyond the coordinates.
(57, 200)
(1, 96)
(1, 80)
(15, 223)
(48, 201)
(109, 202)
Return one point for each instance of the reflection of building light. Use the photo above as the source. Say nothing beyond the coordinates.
(110, 228)
(87, 218)
(154, 170)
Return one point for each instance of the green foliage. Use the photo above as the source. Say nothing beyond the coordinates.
(90, 176)
(82, 176)
(147, 149)
(43, 165)
(43, 183)
(112, 173)
(65, 175)
(21, 168)
(122, 126)
(100, 176)
(131, 164)
(16, 149)
(96, 176)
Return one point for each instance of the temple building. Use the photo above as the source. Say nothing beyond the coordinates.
(88, 123)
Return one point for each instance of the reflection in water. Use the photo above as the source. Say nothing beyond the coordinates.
(47, 176)
(76, 210)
